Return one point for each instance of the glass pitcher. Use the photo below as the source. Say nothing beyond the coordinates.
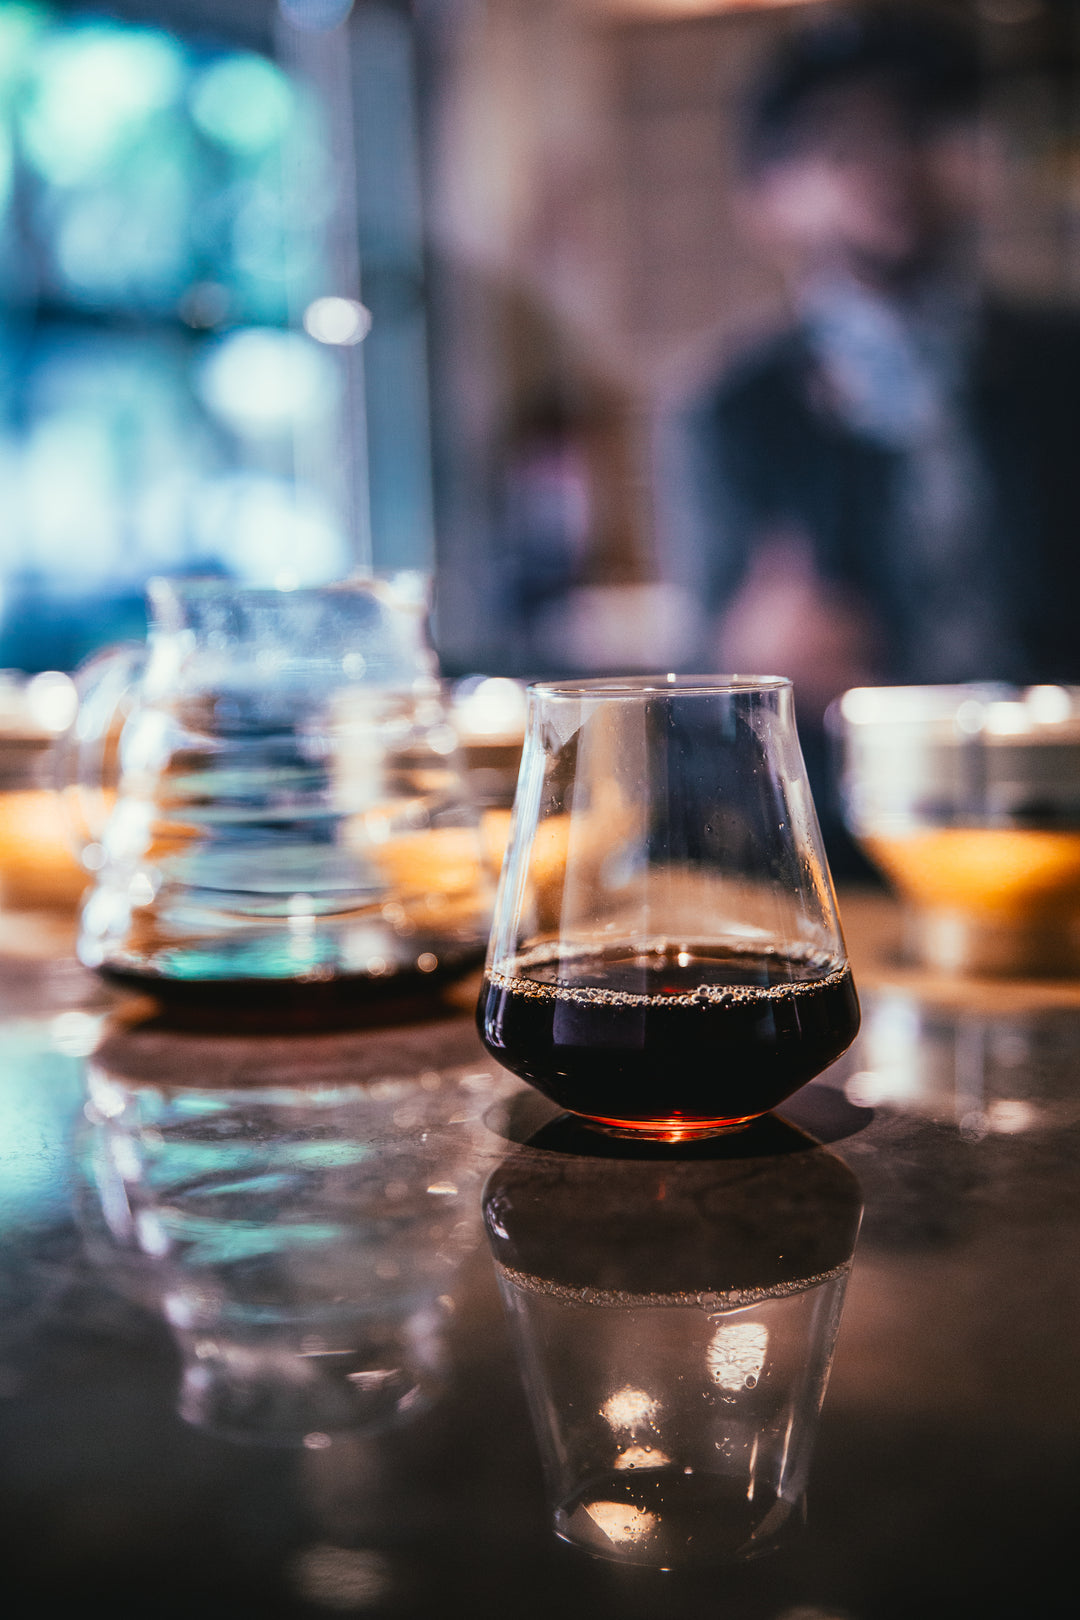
(270, 797)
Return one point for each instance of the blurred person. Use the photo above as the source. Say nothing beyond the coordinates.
(544, 520)
(889, 489)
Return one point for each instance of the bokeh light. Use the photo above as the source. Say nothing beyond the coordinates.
(243, 102)
(51, 700)
(20, 28)
(159, 412)
(94, 87)
(342, 321)
(263, 382)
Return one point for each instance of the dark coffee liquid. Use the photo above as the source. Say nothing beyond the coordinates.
(678, 1039)
(265, 1005)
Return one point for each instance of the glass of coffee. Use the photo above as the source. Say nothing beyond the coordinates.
(967, 800)
(666, 958)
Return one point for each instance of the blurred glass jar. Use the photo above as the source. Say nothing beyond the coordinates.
(967, 799)
(271, 798)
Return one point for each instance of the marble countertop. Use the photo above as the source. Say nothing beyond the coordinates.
(254, 1360)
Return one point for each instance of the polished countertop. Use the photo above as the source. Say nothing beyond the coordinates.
(254, 1359)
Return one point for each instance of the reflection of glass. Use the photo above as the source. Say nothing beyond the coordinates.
(297, 1224)
(666, 958)
(289, 813)
(993, 1067)
(674, 1320)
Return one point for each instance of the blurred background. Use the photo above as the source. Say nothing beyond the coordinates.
(539, 209)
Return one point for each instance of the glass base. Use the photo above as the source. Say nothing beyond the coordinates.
(666, 1130)
(675, 1518)
(294, 1005)
(992, 945)
(275, 1399)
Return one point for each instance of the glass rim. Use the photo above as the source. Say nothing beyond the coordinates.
(642, 686)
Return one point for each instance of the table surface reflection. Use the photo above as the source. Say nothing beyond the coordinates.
(254, 1360)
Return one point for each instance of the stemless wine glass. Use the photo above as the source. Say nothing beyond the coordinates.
(666, 958)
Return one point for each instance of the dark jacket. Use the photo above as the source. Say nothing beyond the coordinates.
(762, 452)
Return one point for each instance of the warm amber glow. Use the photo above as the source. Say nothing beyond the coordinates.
(1002, 870)
(642, 1457)
(436, 875)
(37, 867)
(622, 1524)
(736, 1355)
(630, 1408)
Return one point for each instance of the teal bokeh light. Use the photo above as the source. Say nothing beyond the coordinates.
(20, 29)
(93, 90)
(242, 102)
(263, 382)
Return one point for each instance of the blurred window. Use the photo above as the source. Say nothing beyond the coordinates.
(162, 211)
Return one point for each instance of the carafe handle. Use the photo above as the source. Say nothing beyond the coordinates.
(86, 757)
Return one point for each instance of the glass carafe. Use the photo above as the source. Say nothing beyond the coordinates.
(271, 797)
